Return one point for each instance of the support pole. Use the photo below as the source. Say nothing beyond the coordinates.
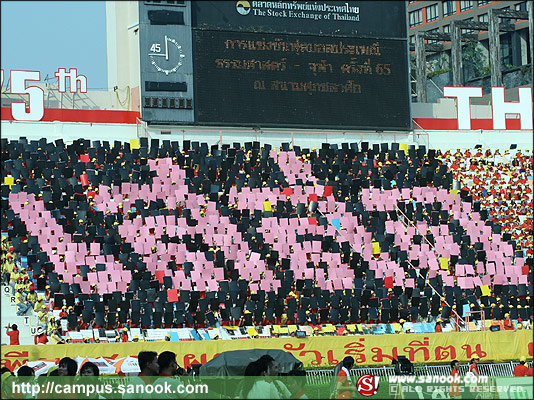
(495, 49)
(420, 67)
(456, 55)
(530, 10)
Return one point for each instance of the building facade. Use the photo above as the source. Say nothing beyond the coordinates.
(436, 16)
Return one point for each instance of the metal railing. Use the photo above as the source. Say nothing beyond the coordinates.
(324, 376)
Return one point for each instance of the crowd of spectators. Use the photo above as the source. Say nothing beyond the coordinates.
(502, 183)
(67, 179)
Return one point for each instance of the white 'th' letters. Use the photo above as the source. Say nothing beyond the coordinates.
(62, 76)
(463, 94)
(500, 108)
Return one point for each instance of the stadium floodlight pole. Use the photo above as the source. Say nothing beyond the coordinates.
(417, 271)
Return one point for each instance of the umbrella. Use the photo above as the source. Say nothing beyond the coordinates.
(79, 361)
(126, 366)
(41, 367)
(233, 363)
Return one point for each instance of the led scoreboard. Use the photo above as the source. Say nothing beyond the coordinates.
(303, 64)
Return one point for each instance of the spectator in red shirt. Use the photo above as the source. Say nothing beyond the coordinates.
(438, 326)
(13, 334)
(521, 369)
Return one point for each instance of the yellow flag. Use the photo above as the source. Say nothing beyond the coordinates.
(485, 290)
(329, 328)
(444, 263)
(9, 180)
(252, 332)
(376, 248)
(267, 206)
(134, 144)
(403, 147)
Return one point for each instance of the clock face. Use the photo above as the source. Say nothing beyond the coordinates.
(166, 57)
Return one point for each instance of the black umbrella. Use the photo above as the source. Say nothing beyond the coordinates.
(233, 363)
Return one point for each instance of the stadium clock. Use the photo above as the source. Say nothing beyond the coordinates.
(166, 58)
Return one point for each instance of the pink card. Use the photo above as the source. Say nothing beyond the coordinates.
(212, 285)
(448, 280)
(490, 268)
(186, 284)
(480, 268)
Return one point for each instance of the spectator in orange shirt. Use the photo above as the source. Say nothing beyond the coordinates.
(63, 312)
(40, 337)
(474, 366)
(13, 334)
(521, 369)
(455, 388)
(343, 387)
(508, 323)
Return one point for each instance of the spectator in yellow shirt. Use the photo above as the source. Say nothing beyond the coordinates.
(22, 305)
(52, 325)
(39, 303)
(56, 338)
(42, 316)
(24, 274)
(31, 298)
(13, 280)
(27, 284)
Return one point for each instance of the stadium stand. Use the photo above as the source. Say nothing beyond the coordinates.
(199, 241)
(502, 184)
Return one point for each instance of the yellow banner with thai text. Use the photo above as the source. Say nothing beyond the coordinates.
(316, 351)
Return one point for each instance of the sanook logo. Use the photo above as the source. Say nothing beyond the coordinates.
(243, 7)
(367, 385)
(300, 10)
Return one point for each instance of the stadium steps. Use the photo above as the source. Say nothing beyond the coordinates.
(24, 323)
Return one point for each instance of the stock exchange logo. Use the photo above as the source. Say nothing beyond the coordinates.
(243, 7)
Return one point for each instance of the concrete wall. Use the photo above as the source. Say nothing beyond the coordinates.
(306, 139)
(122, 36)
(446, 108)
(68, 131)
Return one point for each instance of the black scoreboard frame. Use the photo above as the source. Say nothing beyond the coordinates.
(281, 72)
